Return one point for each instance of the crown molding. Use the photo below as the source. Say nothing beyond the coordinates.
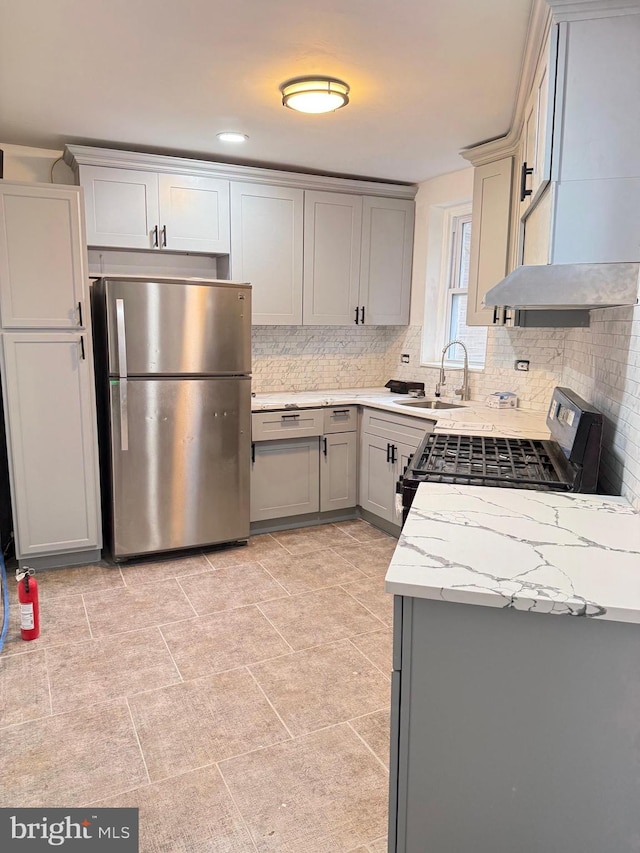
(76, 156)
(543, 15)
(580, 10)
(507, 145)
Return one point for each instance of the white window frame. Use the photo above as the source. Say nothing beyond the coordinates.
(453, 278)
(438, 287)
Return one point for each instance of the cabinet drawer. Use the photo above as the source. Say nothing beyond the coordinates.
(401, 428)
(294, 423)
(340, 419)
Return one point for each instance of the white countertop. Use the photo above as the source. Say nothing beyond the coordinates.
(471, 418)
(546, 552)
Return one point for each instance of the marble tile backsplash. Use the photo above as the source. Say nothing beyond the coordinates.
(542, 347)
(602, 364)
(298, 358)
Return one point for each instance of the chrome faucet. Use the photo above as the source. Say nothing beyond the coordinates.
(463, 391)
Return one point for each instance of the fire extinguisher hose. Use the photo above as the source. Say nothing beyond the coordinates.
(5, 602)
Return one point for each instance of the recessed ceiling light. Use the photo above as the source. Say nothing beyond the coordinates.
(232, 136)
(315, 94)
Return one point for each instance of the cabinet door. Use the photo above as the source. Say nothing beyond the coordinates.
(338, 487)
(529, 143)
(121, 207)
(332, 238)
(536, 231)
(489, 236)
(50, 415)
(42, 257)
(285, 478)
(377, 477)
(266, 250)
(194, 214)
(544, 91)
(402, 455)
(385, 260)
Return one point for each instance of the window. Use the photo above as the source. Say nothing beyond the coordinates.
(447, 297)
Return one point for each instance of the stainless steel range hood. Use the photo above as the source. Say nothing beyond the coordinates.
(562, 287)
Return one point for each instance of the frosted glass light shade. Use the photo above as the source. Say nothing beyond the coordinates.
(315, 94)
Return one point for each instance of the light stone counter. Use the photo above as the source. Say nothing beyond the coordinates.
(471, 419)
(547, 552)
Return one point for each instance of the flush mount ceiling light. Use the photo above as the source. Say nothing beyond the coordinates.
(232, 136)
(314, 94)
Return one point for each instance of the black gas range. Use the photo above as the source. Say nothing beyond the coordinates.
(568, 461)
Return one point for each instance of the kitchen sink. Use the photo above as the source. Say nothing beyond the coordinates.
(429, 404)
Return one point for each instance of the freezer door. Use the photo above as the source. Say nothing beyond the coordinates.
(173, 328)
(184, 479)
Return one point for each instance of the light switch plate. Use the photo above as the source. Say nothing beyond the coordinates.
(404, 358)
(521, 364)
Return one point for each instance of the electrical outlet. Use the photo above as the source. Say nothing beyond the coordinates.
(522, 364)
(404, 358)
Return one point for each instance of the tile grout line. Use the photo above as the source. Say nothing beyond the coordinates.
(373, 663)
(186, 596)
(164, 639)
(237, 807)
(86, 615)
(135, 731)
(380, 762)
(284, 640)
(368, 609)
(272, 706)
(275, 580)
(46, 668)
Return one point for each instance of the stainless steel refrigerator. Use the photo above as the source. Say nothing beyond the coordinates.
(173, 361)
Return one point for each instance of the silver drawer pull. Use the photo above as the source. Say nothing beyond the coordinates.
(284, 417)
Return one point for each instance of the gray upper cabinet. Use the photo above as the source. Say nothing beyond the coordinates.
(317, 250)
(266, 249)
(357, 259)
(489, 236)
(194, 214)
(385, 260)
(332, 235)
(139, 209)
(42, 257)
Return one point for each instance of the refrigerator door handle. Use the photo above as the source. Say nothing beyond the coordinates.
(122, 340)
(122, 373)
(124, 415)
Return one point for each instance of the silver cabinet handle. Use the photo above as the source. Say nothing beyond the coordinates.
(122, 373)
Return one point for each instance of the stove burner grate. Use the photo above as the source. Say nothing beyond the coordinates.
(487, 460)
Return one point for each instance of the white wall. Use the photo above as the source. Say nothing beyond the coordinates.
(34, 165)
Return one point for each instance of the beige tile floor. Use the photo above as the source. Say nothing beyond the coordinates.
(239, 698)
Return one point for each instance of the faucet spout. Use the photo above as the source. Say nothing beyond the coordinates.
(463, 391)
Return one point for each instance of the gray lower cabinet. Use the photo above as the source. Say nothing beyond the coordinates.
(285, 478)
(338, 484)
(303, 461)
(512, 731)
(386, 445)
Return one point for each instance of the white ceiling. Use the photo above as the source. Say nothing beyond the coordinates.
(428, 77)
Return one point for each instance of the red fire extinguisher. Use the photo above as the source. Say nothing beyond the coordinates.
(29, 607)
